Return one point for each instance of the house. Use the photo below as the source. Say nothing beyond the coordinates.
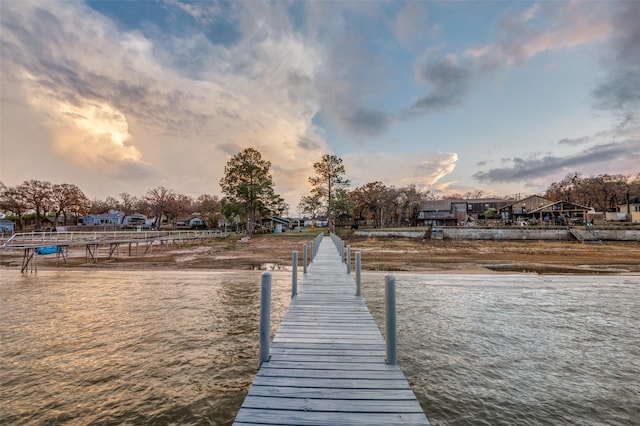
(319, 221)
(561, 213)
(7, 226)
(441, 212)
(196, 222)
(457, 212)
(477, 207)
(135, 219)
(632, 210)
(278, 223)
(521, 208)
(114, 217)
(190, 221)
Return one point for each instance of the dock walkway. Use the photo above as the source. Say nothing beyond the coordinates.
(327, 360)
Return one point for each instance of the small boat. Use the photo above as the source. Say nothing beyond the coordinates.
(49, 250)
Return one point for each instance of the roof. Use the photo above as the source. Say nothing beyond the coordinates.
(279, 220)
(563, 207)
(436, 205)
(107, 215)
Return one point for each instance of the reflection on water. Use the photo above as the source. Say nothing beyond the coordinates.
(136, 347)
(162, 347)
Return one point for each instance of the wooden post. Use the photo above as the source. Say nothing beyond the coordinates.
(265, 314)
(358, 292)
(390, 318)
(313, 249)
(348, 259)
(294, 275)
(304, 258)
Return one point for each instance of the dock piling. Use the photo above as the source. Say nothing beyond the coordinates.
(304, 258)
(265, 316)
(294, 275)
(390, 319)
(348, 259)
(358, 289)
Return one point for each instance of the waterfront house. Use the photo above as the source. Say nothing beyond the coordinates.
(454, 212)
(442, 212)
(632, 209)
(278, 223)
(196, 222)
(114, 217)
(561, 213)
(7, 226)
(521, 208)
(135, 219)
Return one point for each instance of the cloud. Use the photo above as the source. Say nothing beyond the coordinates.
(537, 166)
(450, 76)
(620, 91)
(124, 105)
(449, 82)
(424, 169)
(576, 141)
(410, 23)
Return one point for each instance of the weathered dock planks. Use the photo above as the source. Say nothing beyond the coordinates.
(327, 360)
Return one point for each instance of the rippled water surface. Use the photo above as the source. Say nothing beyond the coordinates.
(130, 347)
(158, 347)
(520, 349)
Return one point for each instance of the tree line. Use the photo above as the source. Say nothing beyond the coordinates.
(248, 196)
(602, 192)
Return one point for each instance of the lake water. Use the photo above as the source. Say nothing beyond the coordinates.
(159, 347)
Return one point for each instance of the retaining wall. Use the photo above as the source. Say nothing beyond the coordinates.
(554, 234)
(382, 234)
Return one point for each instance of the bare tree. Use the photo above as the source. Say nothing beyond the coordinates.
(37, 195)
(99, 206)
(209, 208)
(128, 203)
(178, 205)
(66, 197)
(12, 200)
(370, 201)
(411, 200)
(160, 200)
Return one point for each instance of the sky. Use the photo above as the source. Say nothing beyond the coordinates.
(453, 97)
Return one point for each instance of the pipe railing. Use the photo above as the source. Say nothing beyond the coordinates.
(62, 238)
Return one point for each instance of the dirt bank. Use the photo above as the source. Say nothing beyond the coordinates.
(381, 254)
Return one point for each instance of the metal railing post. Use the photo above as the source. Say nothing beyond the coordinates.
(358, 289)
(390, 319)
(294, 275)
(304, 258)
(348, 259)
(265, 316)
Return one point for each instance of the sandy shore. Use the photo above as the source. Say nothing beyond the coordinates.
(274, 252)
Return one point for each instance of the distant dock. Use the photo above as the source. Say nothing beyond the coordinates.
(38, 243)
(327, 364)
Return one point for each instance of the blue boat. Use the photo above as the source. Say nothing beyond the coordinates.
(49, 250)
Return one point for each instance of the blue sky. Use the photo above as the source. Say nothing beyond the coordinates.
(454, 97)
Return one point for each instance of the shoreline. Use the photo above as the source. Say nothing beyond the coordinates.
(274, 252)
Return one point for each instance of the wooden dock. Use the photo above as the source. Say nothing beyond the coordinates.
(327, 361)
(30, 243)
